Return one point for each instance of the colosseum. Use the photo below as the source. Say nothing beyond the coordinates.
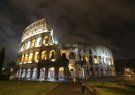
(42, 57)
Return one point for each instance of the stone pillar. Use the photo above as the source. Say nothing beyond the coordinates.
(56, 73)
(47, 54)
(99, 73)
(26, 73)
(46, 73)
(42, 38)
(20, 73)
(39, 63)
(31, 73)
(66, 72)
(33, 57)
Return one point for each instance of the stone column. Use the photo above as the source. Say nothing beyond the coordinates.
(33, 57)
(20, 73)
(66, 72)
(46, 73)
(39, 63)
(56, 73)
(26, 73)
(31, 73)
(47, 54)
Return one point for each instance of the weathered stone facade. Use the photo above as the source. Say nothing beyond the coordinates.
(43, 57)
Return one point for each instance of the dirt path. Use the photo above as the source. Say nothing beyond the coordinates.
(66, 88)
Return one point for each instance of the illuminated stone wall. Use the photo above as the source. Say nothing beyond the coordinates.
(40, 57)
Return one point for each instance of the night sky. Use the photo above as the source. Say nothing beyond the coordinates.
(106, 22)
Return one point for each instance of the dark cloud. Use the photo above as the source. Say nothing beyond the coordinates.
(106, 22)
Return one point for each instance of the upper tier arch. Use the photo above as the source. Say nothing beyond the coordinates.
(35, 28)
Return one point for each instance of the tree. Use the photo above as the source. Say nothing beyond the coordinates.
(2, 56)
(11, 69)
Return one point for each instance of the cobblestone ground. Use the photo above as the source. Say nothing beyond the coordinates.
(66, 88)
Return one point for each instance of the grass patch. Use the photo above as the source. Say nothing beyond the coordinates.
(25, 87)
(113, 87)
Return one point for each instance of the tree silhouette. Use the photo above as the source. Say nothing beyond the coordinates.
(2, 56)
(11, 69)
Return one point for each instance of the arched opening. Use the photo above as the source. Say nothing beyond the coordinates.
(102, 73)
(38, 42)
(43, 55)
(26, 58)
(95, 59)
(34, 76)
(28, 73)
(36, 56)
(72, 72)
(42, 74)
(71, 55)
(96, 72)
(51, 73)
(30, 58)
(108, 72)
(22, 60)
(17, 74)
(28, 45)
(52, 55)
(33, 43)
(100, 60)
(81, 73)
(85, 59)
(61, 73)
(112, 62)
(64, 55)
(46, 40)
(24, 73)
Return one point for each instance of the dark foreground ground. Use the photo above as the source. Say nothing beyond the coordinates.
(66, 88)
(117, 87)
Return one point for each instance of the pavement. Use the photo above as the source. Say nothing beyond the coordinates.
(66, 88)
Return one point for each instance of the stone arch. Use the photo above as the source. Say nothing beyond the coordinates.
(46, 40)
(26, 58)
(43, 55)
(61, 73)
(22, 59)
(52, 54)
(95, 59)
(72, 72)
(36, 57)
(34, 75)
(24, 74)
(96, 72)
(64, 55)
(28, 73)
(81, 73)
(71, 55)
(42, 74)
(85, 59)
(38, 42)
(30, 58)
(110, 72)
(17, 74)
(102, 72)
(33, 43)
(51, 73)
